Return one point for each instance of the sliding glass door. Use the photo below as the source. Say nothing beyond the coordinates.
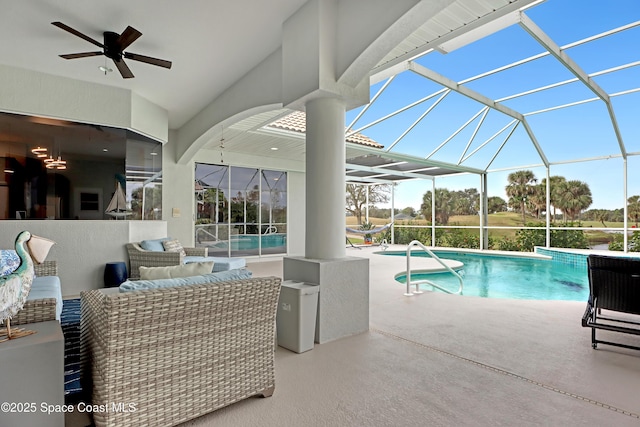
(240, 211)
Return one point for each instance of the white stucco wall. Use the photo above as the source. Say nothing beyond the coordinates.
(84, 247)
(40, 94)
(296, 209)
(148, 118)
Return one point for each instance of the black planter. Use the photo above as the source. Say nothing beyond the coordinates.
(114, 274)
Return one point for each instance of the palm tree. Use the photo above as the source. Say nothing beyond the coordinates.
(444, 206)
(603, 216)
(575, 196)
(554, 198)
(538, 200)
(633, 208)
(519, 188)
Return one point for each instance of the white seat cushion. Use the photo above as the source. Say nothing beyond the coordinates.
(47, 287)
(219, 263)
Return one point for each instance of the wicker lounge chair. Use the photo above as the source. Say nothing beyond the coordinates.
(139, 257)
(38, 310)
(614, 284)
(177, 353)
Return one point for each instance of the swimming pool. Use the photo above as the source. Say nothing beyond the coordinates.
(492, 276)
(243, 242)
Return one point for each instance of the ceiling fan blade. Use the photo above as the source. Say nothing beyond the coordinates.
(128, 36)
(81, 55)
(148, 60)
(77, 33)
(124, 70)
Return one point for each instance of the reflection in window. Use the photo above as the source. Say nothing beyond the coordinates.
(240, 211)
(144, 179)
(57, 169)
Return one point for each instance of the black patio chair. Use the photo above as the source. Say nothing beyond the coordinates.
(614, 285)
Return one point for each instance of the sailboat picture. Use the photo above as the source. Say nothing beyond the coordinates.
(117, 207)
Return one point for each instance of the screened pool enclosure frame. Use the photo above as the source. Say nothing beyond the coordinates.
(370, 166)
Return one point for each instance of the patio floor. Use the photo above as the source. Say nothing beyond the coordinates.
(446, 360)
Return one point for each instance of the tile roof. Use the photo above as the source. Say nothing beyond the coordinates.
(296, 122)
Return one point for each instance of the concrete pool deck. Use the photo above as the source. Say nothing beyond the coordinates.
(447, 360)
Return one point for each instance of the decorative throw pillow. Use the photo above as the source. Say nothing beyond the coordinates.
(173, 246)
(171, 272)
(9, 261)
(154, 244)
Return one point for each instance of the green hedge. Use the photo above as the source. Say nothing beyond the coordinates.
(633, 244)
(525, 240)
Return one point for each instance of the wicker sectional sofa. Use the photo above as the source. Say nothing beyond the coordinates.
(45, 298)
(160, 357)
(140, 257)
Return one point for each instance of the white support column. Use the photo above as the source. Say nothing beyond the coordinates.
(366, 206)
(548, 197)
(625, 211)
(481, 214)
(393, 210)
(484, 213)
(325, 180)
(433, 212)
(343, 301)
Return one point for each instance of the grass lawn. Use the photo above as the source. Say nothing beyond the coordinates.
(501, 219)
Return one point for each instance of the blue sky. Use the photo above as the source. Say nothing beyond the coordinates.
(578, 132)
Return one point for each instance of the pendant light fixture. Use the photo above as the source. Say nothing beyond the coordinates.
(39, 152)
(58, 164)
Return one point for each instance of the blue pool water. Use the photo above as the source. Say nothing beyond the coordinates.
(250, 241)
(510, 277)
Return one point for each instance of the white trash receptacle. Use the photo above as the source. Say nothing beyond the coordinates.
(296, 316)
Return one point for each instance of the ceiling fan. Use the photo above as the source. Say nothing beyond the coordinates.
(113, 47)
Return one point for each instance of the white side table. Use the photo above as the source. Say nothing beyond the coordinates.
(32, 372)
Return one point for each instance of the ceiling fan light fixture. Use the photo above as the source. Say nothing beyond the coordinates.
(114, 47)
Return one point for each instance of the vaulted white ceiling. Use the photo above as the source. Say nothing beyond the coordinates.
(211, 43)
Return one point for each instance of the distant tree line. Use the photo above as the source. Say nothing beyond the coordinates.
(448, 203)
(569, 201)
(525, 196)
